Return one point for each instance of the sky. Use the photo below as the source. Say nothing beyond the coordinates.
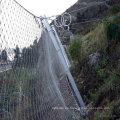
(47, 7)
(38, 8)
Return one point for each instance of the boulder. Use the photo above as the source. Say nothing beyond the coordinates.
(94, 59)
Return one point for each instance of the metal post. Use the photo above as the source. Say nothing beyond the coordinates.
(61, 47)
(71, 80)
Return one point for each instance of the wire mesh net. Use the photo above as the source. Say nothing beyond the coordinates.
(33, 81)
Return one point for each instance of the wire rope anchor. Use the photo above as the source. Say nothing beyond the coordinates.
(37, 21)
(63, 21)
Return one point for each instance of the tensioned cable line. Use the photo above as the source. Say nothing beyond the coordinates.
(92, 20)
(25, 9)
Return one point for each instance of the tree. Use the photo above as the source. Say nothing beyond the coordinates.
(4, 55)
(27, 57)
(30, 55)
(17, 57)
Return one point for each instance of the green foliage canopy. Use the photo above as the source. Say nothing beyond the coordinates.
(4, 55)
(75, 49)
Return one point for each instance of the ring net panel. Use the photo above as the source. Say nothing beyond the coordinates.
(33, 81)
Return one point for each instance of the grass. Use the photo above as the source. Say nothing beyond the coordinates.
(23, 80)
(114, 10)
(13, 79)
(75, 49)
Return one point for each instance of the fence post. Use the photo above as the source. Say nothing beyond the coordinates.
(61, 56)
(61, 47)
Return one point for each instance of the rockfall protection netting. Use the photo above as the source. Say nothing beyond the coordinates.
(33, 81)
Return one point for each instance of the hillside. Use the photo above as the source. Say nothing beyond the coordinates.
(83, 14)
(95, 53)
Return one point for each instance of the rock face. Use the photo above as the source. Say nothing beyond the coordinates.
(87, 14)
(82, 15)
(87, 1)
(94, 58)
(65, 36)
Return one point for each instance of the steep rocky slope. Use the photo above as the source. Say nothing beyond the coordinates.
(95, 53)
(96, 65)
(82, 12)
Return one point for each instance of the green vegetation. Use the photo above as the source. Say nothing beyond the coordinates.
(107, 114)
(19, 85)
(116, 20)
(113, 31)
(114, 10)
(75, 50)
(100, 83)
(28, 58)
(17, 57)
(98, 115)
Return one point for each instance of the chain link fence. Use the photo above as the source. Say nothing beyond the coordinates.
(33, 81)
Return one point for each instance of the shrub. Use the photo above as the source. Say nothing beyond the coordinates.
(94, 96)
(89, 38)
(98, 116)
(116, 20)
(75, 50)
(109, 113)
(113, 31)
(115, 9)
(111, 108)
(4, 55)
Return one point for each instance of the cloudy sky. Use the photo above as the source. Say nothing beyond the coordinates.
(47, 7)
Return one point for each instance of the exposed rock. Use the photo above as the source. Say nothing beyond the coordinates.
(65, 36)
(94, 58)
(82, 15)
(87, 14)
(82, 3)
(72, 37)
